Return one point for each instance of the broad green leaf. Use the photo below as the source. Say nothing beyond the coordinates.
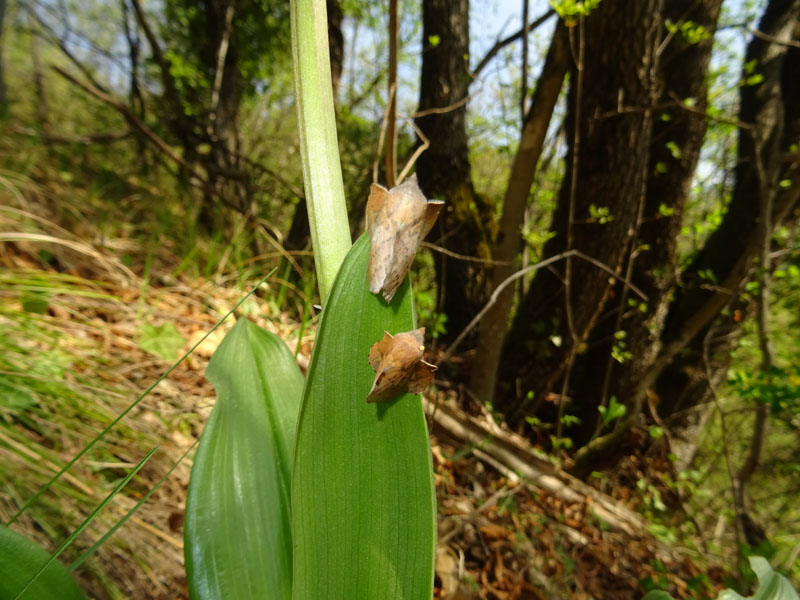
(363, 504)
(164, 341)
(238, 529)
(771, 585)
(13, 397)
(657, 595)
(20, 560)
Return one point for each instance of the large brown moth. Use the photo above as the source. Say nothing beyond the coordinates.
(397, 221)
(398, 365)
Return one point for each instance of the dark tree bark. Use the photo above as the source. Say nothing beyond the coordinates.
(509, 238)
(221, 58)
(613, 112)
(652, 262)
(443, 170)
(771, 110)
(698, 336)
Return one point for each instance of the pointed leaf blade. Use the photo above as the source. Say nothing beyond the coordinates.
(363, 503)
(238, 528)
(21, 559)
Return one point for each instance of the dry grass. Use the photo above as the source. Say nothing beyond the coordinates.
(71, 315)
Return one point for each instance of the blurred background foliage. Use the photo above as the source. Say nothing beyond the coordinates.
(150, 173)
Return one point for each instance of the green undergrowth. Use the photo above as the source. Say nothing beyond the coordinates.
(60, 385)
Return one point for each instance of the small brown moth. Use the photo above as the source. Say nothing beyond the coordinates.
(399, 368)
(397, 221)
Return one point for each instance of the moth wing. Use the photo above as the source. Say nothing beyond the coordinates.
(385, 388)
(377, 353)
(377, 197)
(432, 209)
(404, 249)
(421, 377)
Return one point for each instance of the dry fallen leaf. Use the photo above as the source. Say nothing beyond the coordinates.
(399, 368)
(397, 221)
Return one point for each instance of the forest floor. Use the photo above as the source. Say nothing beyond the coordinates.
(84, 336)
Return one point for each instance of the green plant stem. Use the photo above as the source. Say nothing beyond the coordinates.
(319, 149)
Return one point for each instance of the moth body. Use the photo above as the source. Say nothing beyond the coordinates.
(397, 222)
(398, 365)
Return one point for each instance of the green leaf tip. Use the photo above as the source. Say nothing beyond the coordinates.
(363, 502)
(238, 527)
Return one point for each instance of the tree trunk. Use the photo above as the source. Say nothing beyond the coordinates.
(509, 238)
(698, 336)
(609, 133)
(770, 111)
(443, 169)
(630, 323)
(775, 106)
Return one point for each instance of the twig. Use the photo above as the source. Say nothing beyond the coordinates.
(381, 139)
(170, 86)
(87, 139)
(521, 273)
(219, 73)
(573, 190)
(422, 147)
(769, 38)
(524, 91)
(725, 447)
(441, 110)
(274, 174)
(500, 44)
(765, 345)
(63, 47)
(133, 120)
(457, 256)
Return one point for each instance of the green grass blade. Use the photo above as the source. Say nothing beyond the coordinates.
(238, 526)
(131, 406)
(363, 503)
(65, 544)
(21, 559)
(89, 551)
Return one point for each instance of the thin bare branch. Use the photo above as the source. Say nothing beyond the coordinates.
(521, 273)
(87, 139)
(576, 147)
(500, 44)
(381, 140)
(64, 50)
(457, 256)
(420, 149)
(770, 38)
(168, 80)
(222, 55)
(134, 121)
(523, 100)
(442, 110)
